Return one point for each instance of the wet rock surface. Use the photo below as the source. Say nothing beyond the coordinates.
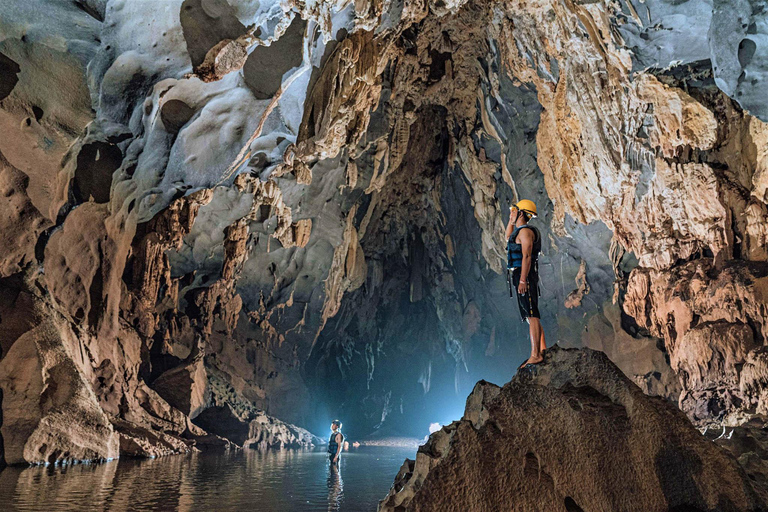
(572, 433)
(273, 206)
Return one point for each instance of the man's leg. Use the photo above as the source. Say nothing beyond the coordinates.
(537, 331)
(537, 336)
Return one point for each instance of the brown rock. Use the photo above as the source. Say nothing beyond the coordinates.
(227, 56)
(150, 269)
(50, 413)
(679, 118)
(256, 430)
(266, 432)
(20, 222)
(73, 263)
(137, 441)
(573, 300)
(572, 433)
(710, 320)
(185, 386)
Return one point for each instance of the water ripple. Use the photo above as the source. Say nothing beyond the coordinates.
(276, 481)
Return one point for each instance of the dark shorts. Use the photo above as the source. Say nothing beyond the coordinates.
(528, 302)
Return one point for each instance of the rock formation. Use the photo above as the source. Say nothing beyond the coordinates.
(749, 444)
(714, 339)
(222, 206)
(255, 430)
(571, 434)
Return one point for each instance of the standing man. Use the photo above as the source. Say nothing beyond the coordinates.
(523, 247)
(336, 442)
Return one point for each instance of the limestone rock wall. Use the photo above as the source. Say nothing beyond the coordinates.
(273, 206)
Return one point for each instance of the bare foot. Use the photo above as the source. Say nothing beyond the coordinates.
(535, 359)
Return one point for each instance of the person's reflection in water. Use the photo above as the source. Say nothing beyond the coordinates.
(335, 488)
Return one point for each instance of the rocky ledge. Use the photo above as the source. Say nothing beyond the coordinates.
(570, 434)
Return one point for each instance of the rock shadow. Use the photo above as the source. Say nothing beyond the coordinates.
(263, 71)
(205, 23)
(9, 70)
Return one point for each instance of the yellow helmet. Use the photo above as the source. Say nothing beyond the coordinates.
(526, 205)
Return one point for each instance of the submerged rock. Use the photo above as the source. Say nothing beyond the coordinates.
(570, 434)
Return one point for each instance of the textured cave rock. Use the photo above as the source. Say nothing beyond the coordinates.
(729, 34)
(269, 206)
(22, 223)
(715, 339)
(50, 411)
(748, 443)
(255, 430)
(572, 434)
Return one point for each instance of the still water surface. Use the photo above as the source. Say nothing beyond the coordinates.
(276, 481)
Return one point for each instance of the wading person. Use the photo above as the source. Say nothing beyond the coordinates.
(523, 247)
(336, 442)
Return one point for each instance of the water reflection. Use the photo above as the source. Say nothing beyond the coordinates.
(335, 487)
(279, 481)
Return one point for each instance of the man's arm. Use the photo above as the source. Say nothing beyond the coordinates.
(510, 226)
(525, 238)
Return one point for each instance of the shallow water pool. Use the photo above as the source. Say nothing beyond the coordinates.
(275, 481)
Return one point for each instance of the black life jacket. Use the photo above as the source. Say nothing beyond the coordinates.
(333, 446)
(515, 250)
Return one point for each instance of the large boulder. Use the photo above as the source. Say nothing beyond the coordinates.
(254, 429)
(50, 414)
(570, 434)
(266, 432)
